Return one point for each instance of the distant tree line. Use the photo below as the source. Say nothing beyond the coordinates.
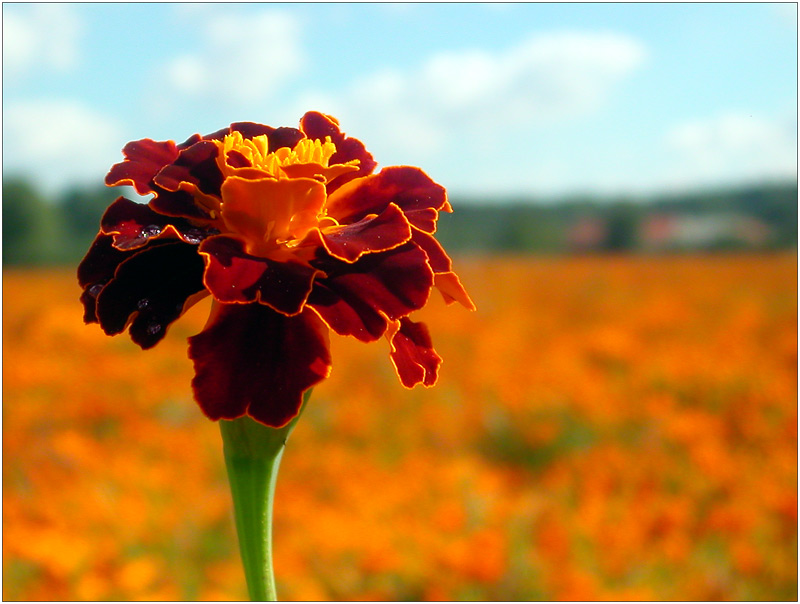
(39, 230)
(757, 217)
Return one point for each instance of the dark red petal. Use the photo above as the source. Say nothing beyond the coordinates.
(250, 129)
(250, 360)
(356, 299)
(179, 204)
(423, 219)
(278, 137)
(149, 291)
(100, 262)
(413, 355)
(194, 138)
(218, 135)
(234, 276)
(284, 137)
(317, 126)
(410, 188)
(438, 259)
(196, 165)
(96, 269)
(89, 300)
(347, 317)
(143, 160)
(133, 224)
(370, 235)
(236, 160)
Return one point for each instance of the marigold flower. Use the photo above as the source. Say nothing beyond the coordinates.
(292, 235)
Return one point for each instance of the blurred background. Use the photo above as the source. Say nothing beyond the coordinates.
(617, 420)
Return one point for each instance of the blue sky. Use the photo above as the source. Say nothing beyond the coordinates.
(490, 99)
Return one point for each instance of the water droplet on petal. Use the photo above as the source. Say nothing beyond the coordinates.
(152, 230)
(143, 303)
(153, 328)
(95, 290)
(193, 236)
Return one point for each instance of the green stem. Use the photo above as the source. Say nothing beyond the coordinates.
(252, 455)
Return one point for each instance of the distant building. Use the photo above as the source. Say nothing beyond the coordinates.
(587, 233)
(665, 231)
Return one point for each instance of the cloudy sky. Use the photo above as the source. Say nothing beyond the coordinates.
(490, 99)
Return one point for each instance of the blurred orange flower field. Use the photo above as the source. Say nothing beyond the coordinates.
(604, 428)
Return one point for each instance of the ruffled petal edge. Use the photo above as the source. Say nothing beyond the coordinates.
(250, 360)
(412, 353)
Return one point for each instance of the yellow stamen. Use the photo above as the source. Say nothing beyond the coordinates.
(307, 152)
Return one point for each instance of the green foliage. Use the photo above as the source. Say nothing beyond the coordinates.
(80, 211)
(622, 222)
(30, 227)
(42, 231)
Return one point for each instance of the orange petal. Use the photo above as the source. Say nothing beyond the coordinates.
(313, 170)
(451, 289)
(268, 210)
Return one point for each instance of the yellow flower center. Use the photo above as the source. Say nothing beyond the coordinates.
(308, 158)
(273, 200)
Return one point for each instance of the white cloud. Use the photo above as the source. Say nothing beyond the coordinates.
(548, 76)
(186, 73)
(734, 146)
(247, 58)
(457, 80)
(572, 73)
(60, 142)
(40, 36)
(457, 98)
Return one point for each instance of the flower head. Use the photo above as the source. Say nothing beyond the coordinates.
(293, 235)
